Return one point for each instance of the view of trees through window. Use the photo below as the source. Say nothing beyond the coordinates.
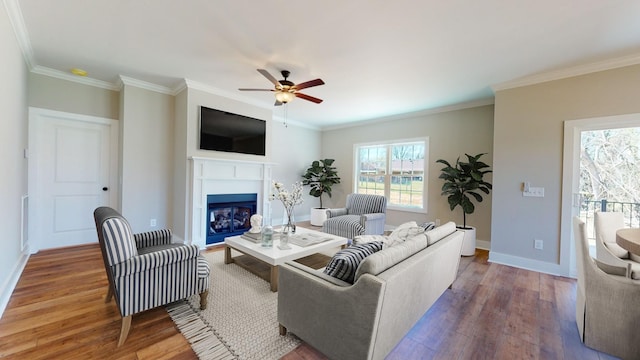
(610, 173)
(393, 170)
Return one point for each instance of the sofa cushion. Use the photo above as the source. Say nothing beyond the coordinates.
(435, 235)
(344, 263)
(382, 260)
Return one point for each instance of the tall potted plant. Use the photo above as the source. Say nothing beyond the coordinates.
(320, 177)
(463, 182)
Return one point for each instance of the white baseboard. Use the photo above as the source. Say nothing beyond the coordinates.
(12, 280)
(524, 263)
(483, 244)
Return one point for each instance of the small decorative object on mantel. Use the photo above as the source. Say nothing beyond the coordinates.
(289, 200)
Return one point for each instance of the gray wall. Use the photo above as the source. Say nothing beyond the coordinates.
(55, 94)
(528, 143)
(147, 165)
(451, 134)
(13, 139)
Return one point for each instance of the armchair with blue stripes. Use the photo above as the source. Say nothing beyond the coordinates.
(146, 270)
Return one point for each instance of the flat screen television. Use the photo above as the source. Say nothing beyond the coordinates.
(225, 131)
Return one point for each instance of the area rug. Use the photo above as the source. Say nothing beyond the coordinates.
(240, 321)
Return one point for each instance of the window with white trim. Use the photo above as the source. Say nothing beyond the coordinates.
(396, 170)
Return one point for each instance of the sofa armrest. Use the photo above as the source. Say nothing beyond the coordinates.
(152, 238)
(336, 212)
(313, 308)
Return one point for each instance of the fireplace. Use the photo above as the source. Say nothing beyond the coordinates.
(228, 215)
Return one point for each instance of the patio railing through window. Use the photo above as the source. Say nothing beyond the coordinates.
(588, 208)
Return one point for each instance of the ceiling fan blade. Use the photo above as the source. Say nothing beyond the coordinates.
(308, 84)
(307, 97)
(243, 89)
(270, 77)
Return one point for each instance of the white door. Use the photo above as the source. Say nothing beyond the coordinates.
(72, 171)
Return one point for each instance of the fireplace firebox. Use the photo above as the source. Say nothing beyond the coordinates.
(229, 215)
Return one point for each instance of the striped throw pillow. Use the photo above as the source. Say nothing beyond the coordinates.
(344, 263)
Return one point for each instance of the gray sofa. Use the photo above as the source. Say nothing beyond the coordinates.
(393, 288)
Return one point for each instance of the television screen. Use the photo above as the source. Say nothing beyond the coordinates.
(225, 131)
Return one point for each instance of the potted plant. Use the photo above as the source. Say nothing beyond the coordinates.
(320, 176)
(463, 182)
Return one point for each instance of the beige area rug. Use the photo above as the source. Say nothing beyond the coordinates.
(240, 321)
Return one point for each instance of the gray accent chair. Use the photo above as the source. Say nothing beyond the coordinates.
(363, 214)
(607, 312)
(607, 250)
(146, 270)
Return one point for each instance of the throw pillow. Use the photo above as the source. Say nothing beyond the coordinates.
(344, 263)
(403, 233)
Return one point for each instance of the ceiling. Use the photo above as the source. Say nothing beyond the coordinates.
(377, 58)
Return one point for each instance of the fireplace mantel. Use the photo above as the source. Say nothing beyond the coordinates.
(222, 176)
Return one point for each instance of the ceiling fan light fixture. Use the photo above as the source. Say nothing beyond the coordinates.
(284, 96)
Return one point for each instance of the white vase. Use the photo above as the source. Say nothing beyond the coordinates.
(318, 216)
(469, 241)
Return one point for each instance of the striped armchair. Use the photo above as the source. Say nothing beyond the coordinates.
(146, 270)
(363, 215)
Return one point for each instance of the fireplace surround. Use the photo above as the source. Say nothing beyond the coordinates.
(223, 177)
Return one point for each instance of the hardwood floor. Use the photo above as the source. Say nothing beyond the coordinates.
(57, 311)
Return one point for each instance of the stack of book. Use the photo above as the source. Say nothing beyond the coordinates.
(257, 237)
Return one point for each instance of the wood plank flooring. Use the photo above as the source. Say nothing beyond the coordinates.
(57, 311)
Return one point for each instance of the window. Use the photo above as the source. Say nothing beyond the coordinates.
(395, 170)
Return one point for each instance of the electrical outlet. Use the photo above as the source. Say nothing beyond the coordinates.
(538, 244)
(534, 192)
(152, 223)
(437, 222)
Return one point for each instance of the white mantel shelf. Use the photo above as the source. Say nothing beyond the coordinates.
(224, 176)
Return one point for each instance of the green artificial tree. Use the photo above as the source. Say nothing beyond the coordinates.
(320, 176)
(463, 181)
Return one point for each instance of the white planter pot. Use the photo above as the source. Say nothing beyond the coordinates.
(469, 242)
(318, 216)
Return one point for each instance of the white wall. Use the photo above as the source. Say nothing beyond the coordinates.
(13, 139)
(147, 165)
(451, 133)
(294, 149)
(528, 142)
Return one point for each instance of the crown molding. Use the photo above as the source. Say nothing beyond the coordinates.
(78, 79)
(216, 91)
(20, 29)
(129, 81)
(578, 70)
(409, 115)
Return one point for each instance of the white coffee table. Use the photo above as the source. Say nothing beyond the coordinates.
(274, 256)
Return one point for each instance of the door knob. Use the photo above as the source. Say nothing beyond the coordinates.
(105, 188)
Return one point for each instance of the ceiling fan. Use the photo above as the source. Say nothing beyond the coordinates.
(286, 90)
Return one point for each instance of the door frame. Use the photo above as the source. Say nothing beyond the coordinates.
(33, 168)
(571, 177)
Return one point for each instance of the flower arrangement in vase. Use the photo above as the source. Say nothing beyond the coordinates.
(289, 200)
